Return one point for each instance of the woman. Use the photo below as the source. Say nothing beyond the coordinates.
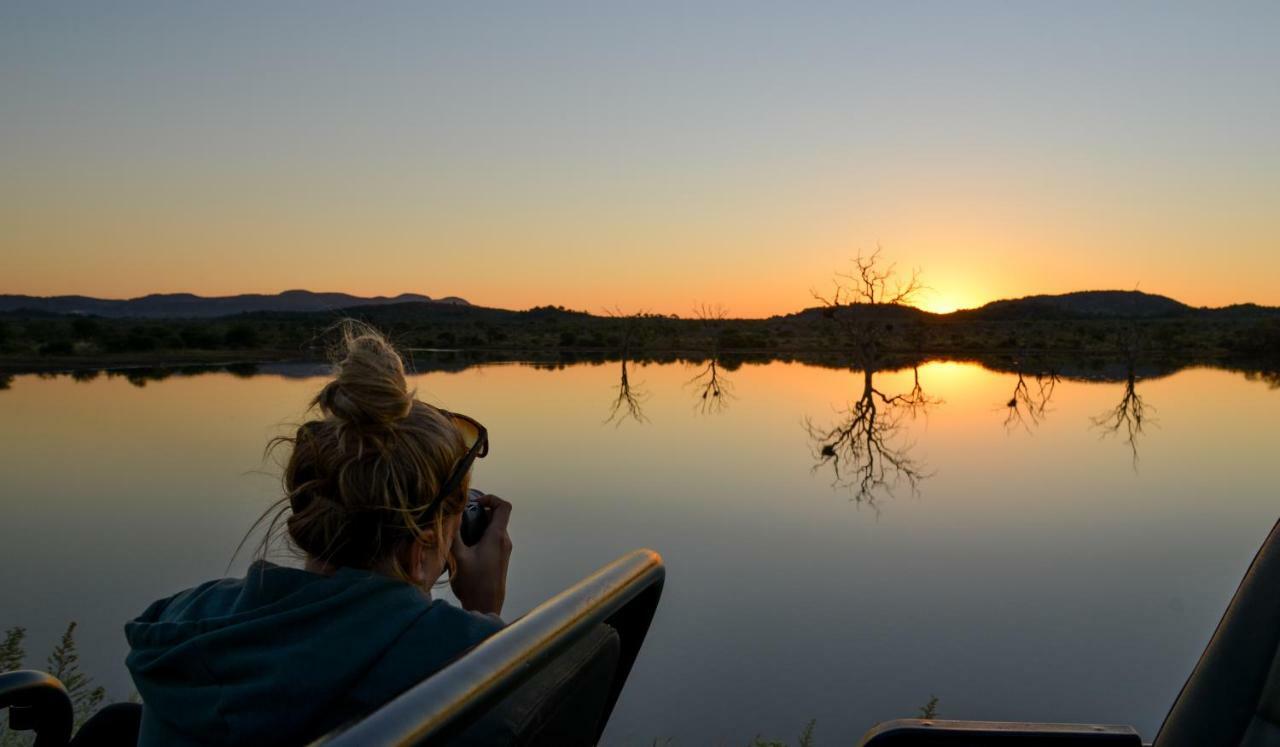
(375, 487)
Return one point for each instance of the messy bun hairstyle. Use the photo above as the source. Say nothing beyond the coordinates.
(360, 478)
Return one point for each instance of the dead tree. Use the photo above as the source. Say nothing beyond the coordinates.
(859, 299)
(866, 448)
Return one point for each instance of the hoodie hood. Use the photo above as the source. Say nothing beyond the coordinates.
(271, 657)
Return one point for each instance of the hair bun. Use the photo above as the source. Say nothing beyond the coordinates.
(368, 385)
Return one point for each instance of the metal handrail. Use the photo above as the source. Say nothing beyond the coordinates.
(623, 594)
(37, 701)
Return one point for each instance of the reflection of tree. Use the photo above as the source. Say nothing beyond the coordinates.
(140, 376)
(1270, 378)
(865, 447)
(629, 401)
(711, 387)
(242, 370)
(1128, 417)
(1028, 406)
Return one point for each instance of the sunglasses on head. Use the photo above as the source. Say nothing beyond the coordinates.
(476, 437)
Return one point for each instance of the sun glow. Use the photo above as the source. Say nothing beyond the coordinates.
(945, 303)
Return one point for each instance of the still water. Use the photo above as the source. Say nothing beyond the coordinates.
(1044, 567)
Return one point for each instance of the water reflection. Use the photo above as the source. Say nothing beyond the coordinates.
(999, 536)
(866, 448)
(1270, 378)
(628, 402)
(1127, 418)
(712, 388)
(1029, 404)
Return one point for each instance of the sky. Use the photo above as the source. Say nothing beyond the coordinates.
(640, 156)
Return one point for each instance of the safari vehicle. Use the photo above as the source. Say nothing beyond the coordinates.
(553, 676)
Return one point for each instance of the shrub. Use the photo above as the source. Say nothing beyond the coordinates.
(85, 328)
(139, 340)
(56, 347)
(199, 338)
(241, 336)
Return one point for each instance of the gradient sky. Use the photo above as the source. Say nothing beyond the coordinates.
(639, 155)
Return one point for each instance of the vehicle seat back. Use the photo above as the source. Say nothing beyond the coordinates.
(1232, 698)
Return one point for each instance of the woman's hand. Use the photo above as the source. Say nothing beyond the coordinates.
(480, 580)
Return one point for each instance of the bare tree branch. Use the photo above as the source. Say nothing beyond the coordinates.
(858, 299)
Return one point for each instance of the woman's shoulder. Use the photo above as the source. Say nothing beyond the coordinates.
(441, 634)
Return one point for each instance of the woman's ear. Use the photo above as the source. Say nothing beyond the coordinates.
(416, 553)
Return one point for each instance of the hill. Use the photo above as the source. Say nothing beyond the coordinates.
(190, 306)
(1109, 304)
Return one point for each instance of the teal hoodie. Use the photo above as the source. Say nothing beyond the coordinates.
(282, 655)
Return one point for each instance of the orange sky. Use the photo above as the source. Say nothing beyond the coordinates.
(610, 158)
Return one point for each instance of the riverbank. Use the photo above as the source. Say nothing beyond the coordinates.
(882, 335)
(1069, 366)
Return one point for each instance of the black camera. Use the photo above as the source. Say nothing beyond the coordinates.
(475, 518)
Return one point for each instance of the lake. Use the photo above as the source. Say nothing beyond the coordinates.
(1022, 560)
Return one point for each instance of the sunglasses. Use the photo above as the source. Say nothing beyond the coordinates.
(476, 437)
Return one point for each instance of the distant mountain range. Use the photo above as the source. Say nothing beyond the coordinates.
(187, 305)
(1103, 304)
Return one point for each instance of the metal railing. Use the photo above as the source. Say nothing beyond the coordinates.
(623, 594)
(39, 702)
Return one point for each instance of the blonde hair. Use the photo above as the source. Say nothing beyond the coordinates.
(360, 479)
